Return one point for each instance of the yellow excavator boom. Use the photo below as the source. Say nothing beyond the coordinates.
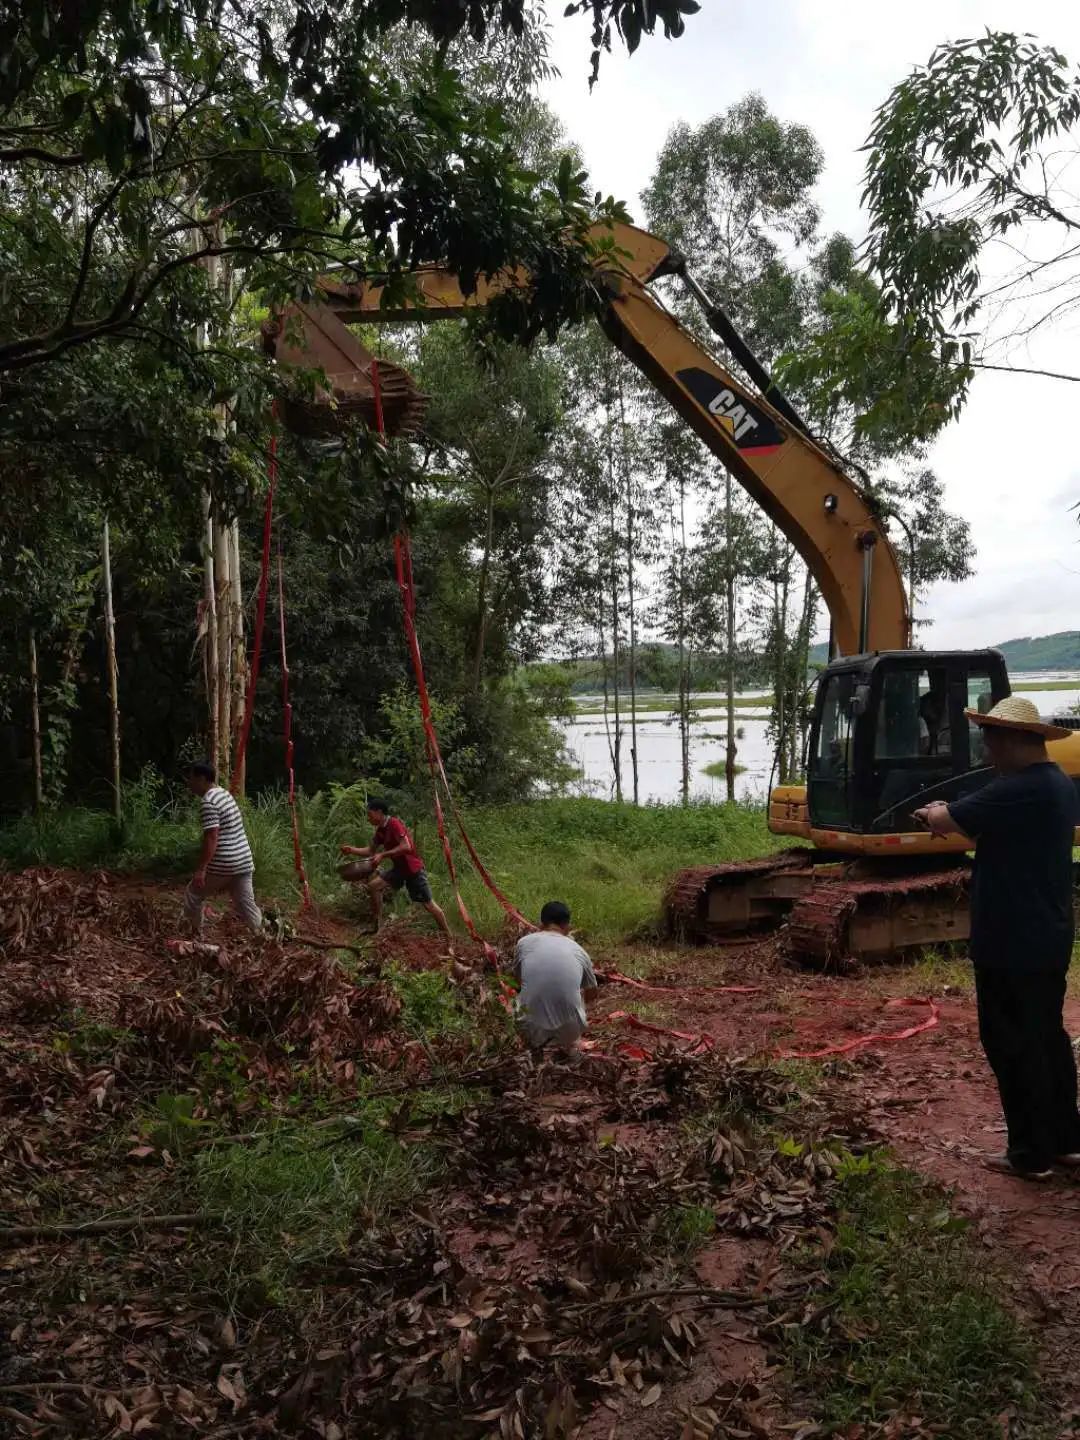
(797, 483)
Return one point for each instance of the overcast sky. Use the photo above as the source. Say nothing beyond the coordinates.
(1011, 464)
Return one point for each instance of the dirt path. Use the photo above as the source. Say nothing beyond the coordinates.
(930, 1098)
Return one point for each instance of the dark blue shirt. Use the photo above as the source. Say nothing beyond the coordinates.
(1022, 882)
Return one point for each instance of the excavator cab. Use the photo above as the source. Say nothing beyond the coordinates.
(889, 734)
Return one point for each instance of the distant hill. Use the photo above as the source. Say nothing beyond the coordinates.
(657, 667)
(1044, 652)
(1041, 652)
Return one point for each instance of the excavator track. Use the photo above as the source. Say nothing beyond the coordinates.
(713, 902)
(832, 914)
(839, 921)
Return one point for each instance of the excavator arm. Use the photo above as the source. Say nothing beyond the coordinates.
(833, 909)
(798, 485)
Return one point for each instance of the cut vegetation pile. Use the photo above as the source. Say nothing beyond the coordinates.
(252, 1190)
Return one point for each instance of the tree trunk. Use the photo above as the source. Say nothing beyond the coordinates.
(210, 638)
(481, 593)
(110, 665)
(799, 671)
(35, 724)
(781, 581)
(684, 668)
(224, 646)
(613, 544)
(729, 587)
(632, 675)
(603, 658)
(239, 651)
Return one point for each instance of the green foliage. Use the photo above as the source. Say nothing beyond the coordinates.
(734, 195)
(932, 543)
(171, 173)
(937, 970)
(1044, 652)
(916, 1317)
(398, 756)
(430, 1006)
(631, 19)
(223, 1068)
(941, 126)
(685, 1228)
(190, 141)
(656, 669)
(173, 1122)
(92, 1040)
(1060, 651)
(855, 361)
(508, 722)
(156, 834)
(957, 159)
(295, 1199)
(492, 426)
(609, 862)
(731, 194)
(717, 769)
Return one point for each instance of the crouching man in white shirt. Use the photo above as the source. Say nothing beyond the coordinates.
(557, 978)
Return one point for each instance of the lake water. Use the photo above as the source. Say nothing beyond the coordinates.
(659, 764)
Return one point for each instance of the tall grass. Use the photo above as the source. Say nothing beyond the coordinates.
(608, 862)
(157, 833)
(917, 1319)
(291, 1199)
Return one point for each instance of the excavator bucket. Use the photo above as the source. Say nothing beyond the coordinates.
(312, 337)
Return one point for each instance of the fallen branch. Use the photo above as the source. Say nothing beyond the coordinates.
(109, 1227)
(66, 1387)
(464, 1078)
(313, 944)
(729, 1299)
(24, 1422)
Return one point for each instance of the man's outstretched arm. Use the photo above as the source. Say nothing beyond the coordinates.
(938, 819)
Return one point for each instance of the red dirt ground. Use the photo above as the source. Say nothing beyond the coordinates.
(930, 1098)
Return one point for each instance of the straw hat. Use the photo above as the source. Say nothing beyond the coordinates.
(1015, 713)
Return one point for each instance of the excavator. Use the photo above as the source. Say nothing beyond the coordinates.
(888, 732)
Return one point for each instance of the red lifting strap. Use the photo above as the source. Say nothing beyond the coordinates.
(698, 1044)
(403, 567)
(403, 560)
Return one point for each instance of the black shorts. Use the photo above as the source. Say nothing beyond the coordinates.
(417, 887)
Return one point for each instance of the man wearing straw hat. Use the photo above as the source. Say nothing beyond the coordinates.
(1022, 822)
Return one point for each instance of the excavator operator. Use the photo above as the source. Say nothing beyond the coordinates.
(934, 737)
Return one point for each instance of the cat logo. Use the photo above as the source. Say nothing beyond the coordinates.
(753, 432)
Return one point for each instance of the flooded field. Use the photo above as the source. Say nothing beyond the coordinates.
(658, 740)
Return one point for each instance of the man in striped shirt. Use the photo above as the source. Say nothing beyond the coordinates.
(225, 861)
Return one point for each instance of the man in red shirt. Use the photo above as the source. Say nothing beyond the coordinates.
(393, 842)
